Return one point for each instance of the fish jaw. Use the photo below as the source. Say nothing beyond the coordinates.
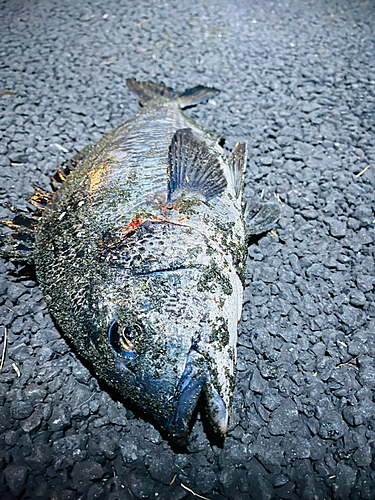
(195, 381)
(209, 371)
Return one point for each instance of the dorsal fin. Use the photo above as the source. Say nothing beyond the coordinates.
(192, 166)
(21, 223)
(40, 198)
(19, 245)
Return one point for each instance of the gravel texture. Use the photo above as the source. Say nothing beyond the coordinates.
(297, 82)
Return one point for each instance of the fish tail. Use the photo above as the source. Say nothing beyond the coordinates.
(147, 91)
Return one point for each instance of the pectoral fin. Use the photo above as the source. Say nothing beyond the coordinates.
(192, 167)
(238, 165)
(261, 217)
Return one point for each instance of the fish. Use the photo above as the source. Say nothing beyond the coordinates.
(140, 252)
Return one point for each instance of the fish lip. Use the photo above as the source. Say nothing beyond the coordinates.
(195, 380)
(178, 426)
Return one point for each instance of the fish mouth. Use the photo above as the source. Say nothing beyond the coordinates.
(195, 380)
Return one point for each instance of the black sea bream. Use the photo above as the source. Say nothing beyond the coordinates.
(140, 254)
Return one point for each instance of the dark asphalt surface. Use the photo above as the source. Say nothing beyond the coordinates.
(297, 82)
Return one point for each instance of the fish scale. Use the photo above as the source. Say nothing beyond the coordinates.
(151, 143)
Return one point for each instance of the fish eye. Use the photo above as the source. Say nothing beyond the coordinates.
(121, 338)
(129, 333)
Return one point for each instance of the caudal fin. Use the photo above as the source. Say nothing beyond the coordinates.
(147, 91)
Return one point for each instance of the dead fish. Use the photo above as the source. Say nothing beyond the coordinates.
(140, 253)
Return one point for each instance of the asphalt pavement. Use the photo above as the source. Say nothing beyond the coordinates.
(297, 83)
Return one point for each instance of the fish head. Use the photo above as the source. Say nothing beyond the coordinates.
(171, 339)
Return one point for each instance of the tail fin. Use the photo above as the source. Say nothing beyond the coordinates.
(147, 91)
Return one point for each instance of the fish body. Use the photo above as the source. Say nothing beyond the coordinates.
(140, 256)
